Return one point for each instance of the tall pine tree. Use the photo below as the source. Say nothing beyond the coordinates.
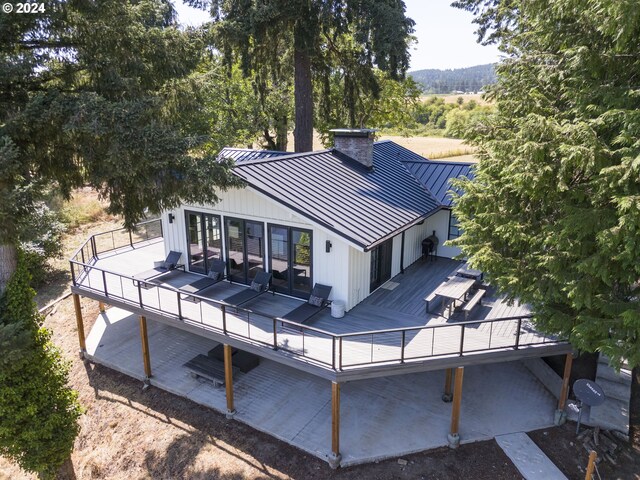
(255, 30)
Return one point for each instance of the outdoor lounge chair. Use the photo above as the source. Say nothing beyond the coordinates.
(259, 286)
(318, 299)
(159, 269)
(215, 275)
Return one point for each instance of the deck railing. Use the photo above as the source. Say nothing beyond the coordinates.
(327, 349)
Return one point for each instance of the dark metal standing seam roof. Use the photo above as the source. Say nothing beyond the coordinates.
(434, 175)
(331, 189)
(242, 154)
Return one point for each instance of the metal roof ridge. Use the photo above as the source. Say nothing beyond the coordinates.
(288, 156)
(440, 162)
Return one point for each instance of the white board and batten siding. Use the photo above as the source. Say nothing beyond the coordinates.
(414, 236)
(345, 268)
(328, 268)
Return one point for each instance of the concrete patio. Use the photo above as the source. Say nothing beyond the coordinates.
(380, 418)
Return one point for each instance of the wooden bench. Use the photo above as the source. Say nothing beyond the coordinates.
(430, 298)
(203, 366)
(473, 301)
(244, 361)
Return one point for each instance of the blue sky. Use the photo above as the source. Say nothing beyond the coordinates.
(445, 35)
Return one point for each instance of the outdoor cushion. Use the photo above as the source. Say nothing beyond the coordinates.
(315, 301)
(256, 287)
(215, 276)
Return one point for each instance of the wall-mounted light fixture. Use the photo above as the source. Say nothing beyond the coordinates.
(171, 217)
(327, 246)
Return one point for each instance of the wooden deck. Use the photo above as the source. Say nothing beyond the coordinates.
(353, 342)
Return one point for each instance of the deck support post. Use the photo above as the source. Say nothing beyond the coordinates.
(335, 457)
(101, 307)
(228, 380)
(146, 359)
(447, 396)
(80, 325)
(454, 434)
(561, 416)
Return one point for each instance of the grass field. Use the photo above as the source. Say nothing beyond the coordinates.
(453, 97)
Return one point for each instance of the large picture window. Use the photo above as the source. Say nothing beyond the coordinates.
(291, 259)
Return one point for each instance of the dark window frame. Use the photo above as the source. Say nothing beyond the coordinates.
(245, 278)
(290, 259)
(453, 227)
(203, 237)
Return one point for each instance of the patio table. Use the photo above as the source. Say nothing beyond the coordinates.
(464, 271)
(454, 289)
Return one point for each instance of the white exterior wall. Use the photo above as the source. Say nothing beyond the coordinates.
(359, 276)
(414, 236)
(345, 268)
(328, 268)
(440, 223)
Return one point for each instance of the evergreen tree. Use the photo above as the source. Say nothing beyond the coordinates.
(38, 411)
(554, 211)
(359, 33)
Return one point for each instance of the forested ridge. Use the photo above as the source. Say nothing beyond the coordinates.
(470, 79)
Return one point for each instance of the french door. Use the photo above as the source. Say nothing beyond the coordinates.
(204, 240)
(245, 248)
(291, 260)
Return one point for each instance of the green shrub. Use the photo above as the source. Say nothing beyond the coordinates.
(38, 411)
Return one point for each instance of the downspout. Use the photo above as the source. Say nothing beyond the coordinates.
(402, 253)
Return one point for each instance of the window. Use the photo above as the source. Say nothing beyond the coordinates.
(245, 248)
(290, 260)
(454, 229)
(203, 239)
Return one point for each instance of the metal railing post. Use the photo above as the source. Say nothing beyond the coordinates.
(275, 335)
(333, 352)
(140, 294)
(518, 335)
(93, 246)
(223, 309)
(104, 283)
(462, 340)
(402, 346)
(340, 354)
(73, 273)
(179, 306)
(130, 238)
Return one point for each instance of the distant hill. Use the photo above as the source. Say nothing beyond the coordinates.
(471, 79)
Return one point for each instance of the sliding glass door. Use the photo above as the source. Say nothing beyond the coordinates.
(245, 248)
(290, 260)
(204, 240)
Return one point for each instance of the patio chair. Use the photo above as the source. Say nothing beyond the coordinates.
(215, 275)
(159, 269)
(318, 300)
(259, 286)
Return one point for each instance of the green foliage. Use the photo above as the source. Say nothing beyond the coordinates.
(38, 411)
(393, 106)
(336, 42)
(554, 212)
(94, 91)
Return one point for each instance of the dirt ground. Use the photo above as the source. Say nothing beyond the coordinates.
(128, 433)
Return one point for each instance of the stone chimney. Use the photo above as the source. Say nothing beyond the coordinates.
(357, 143)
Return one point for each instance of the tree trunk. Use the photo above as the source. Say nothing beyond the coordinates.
(303, 132)
(282, 130)
(8, 263)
